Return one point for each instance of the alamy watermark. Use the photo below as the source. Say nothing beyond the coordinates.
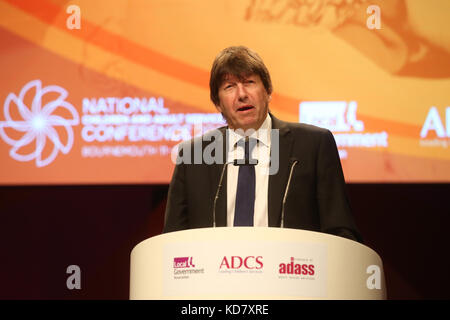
(213, 148)
(74, 280)
(73, 21)
(374, 20)
(374, 280)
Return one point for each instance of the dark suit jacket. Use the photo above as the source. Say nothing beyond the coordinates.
(316, 201)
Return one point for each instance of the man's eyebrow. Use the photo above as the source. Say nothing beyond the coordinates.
(226, 80)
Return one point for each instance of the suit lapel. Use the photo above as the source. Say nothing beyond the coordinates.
(277, 182)
(215, 172)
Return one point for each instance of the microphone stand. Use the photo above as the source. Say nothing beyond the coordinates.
(217, 192)
(294, 163)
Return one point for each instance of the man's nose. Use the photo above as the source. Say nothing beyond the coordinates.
(242, 92)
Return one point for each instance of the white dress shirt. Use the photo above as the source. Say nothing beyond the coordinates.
(261, 152)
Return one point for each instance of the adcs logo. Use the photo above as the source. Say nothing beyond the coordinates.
(36, 131)
(237, 262)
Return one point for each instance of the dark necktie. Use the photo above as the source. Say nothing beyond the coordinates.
(245, 191)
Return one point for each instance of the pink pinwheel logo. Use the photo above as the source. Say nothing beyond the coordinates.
(38, 123)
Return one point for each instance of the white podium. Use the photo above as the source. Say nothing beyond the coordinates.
(254, 263)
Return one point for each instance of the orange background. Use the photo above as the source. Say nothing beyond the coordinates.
(320, 52)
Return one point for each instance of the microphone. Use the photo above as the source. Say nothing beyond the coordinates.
(293, 163)
(244, 162)
(250, 143)
(218, 190)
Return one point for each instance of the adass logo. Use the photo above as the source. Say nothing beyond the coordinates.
(296, 268)
(38, 123)
(245, 263)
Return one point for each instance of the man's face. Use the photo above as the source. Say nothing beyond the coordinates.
(243, 102)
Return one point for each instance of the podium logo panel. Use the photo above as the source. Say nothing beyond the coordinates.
(245, 268)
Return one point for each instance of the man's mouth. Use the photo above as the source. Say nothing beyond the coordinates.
(245, 108)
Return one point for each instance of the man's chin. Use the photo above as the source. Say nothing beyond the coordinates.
(249, 125)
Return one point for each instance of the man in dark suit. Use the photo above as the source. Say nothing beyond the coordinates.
(303, 187)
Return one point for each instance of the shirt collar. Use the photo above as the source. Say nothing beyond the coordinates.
(262, 134)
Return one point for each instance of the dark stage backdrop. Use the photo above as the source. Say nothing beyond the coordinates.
(44, 229)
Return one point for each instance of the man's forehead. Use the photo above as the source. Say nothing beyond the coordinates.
(233, 77)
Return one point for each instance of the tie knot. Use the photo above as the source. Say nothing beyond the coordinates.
(248, 144)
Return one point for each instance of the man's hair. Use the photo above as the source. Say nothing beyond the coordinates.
(238, 61)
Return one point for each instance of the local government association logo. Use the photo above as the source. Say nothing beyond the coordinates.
(30, 127)
(340, 117)
(183, 268)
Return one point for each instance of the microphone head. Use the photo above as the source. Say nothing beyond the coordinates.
(243, 162)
